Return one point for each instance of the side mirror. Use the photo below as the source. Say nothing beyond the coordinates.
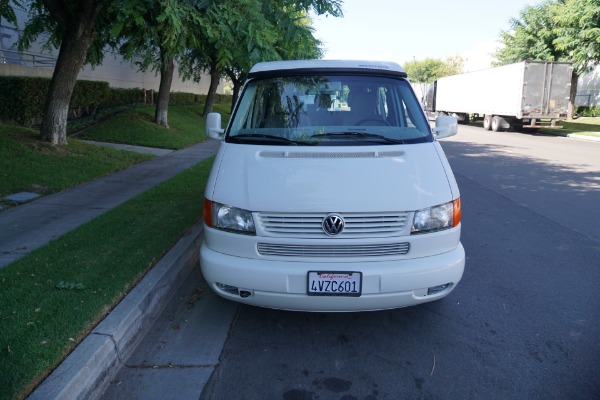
(445, 126)
(213, 126)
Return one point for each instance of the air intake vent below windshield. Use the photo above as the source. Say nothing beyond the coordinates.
(323, 154)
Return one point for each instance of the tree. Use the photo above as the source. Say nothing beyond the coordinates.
(452, 66)
(566, 30)
(7, 12)
(233, 35)
(239, 33)
(82, 29)
(157, 33)
(289, 24)
(531, 37)
(292, 39)
(319, 7)
(578, 37)
(431, 69)
(423, 72)
(294, 33)
(76, 28)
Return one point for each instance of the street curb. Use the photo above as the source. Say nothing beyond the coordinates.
(584, 137)
(85, 373)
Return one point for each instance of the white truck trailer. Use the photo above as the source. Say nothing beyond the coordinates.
(520, 96)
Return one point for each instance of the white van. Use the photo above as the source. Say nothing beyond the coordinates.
(330, 192)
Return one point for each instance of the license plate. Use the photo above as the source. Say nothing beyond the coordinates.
(327, 283)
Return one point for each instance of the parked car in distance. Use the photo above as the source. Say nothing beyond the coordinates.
(330, 192)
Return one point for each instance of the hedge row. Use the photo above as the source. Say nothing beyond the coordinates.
(23, 98)
(179, 98)
(586, 111)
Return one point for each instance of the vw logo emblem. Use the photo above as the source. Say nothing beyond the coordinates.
(333, 224)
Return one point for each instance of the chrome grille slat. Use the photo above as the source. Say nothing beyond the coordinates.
(310, 224)
(372, 250)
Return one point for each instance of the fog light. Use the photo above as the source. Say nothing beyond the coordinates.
(438, 289)
(226, 288)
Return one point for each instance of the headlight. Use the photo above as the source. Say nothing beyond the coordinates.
(227, 218)
(437, 218)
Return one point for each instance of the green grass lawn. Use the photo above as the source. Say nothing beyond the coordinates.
(53, 297)
(583, 126)
(186, 127)
(30, 165)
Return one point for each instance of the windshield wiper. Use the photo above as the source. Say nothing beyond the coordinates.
(245, 137)
(360, 134)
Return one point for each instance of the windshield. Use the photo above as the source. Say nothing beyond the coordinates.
(329, 110)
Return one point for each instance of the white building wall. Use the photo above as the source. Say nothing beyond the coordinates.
(588, 89)
(114, 70)
(122, 74)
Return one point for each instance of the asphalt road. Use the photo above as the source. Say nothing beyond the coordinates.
(522, 324)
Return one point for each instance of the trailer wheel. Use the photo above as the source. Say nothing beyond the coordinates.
(462, 118)
(497, 123)
(487, 122)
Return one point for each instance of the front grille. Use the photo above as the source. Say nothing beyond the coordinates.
(370, 250)
(310, 225)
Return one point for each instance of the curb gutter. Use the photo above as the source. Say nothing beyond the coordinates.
(86, 372)
(584, 137)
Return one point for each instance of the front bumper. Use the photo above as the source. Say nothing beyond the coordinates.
(283, 284)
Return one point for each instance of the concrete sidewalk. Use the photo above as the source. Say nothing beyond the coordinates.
(86, 371)
(128, 147)
(32, 225)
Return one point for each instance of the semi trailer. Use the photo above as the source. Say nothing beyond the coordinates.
(521, 96)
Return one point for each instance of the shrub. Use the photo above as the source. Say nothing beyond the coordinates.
(122, 97)
(87, 97)
(181, 98)
(23, 98)
(588, 111)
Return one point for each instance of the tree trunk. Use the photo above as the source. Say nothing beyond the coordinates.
(215, 79)
(235, 95)
(237, 86)
(162, 103)
(571, 109)
(77, 38)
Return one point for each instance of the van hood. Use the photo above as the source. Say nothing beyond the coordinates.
(327, 179)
